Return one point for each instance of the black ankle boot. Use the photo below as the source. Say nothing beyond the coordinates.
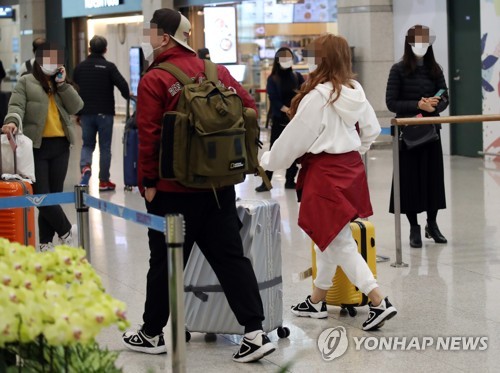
(290, 184)
(415, 237)
(432, 231)
(261, 188)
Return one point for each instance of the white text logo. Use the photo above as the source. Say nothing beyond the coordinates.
(421, 343)
(332, 343)
(89, 4)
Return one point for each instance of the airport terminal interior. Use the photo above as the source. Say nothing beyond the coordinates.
(447, 290)
(447, 295)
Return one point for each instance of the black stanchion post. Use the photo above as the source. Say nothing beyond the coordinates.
(175, 240)
(397, 200)
(82, 219)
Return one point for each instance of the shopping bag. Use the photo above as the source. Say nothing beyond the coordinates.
(17, 155)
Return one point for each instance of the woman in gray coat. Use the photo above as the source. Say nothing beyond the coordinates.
(43, 102)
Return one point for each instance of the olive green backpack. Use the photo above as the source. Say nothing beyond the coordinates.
(211, 140)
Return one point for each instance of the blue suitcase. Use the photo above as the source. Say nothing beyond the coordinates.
(130, 150)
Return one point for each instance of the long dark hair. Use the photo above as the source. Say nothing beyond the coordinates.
(286, 78)
(335, 67)
(410, 60)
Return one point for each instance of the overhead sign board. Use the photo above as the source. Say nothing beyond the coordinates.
(89, 4)
(89, 8)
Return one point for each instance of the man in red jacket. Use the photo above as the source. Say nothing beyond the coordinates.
(209, 221)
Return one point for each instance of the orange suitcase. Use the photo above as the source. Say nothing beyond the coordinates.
(343, 293)
(17, 224)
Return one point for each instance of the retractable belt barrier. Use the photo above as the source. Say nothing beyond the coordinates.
(37, 200)
(395, 153)
(151, 221)
(172, 226)
(82, 202)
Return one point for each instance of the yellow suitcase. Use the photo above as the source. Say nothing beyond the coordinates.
(343, 293)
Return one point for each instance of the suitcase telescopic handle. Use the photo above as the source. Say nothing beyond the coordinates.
(131, 99)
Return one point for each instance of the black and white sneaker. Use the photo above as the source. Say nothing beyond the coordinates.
(378, 315)
(254, 349)
(309, 309)
(138, 341)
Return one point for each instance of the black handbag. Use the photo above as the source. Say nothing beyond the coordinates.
(414, 136)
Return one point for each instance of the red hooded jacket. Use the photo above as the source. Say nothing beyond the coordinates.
(158, 93)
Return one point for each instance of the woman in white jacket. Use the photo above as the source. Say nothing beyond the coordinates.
(332, 123)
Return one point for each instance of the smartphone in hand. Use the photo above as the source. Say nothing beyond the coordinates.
(440, 92)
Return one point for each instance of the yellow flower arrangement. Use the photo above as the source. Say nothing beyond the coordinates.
(55, 295)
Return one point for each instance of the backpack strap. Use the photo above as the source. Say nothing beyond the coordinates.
(211, 71)
(176, 72)
(265, 178)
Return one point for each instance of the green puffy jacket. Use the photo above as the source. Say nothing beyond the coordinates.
(30, 103)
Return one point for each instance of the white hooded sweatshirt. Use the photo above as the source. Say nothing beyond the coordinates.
(319, 126)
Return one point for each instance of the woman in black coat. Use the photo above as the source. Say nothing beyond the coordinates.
(281, 87)
(412, 89)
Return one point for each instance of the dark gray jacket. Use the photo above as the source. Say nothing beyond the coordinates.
(96, 78)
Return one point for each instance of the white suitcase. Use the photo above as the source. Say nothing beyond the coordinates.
(207, 309)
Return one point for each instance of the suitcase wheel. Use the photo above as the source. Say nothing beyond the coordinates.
(350, 310)
(283, 332)
(188, 336)
(210, 337)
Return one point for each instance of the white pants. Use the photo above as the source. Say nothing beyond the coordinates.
(343, 252)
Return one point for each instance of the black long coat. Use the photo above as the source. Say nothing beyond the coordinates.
(420, 170)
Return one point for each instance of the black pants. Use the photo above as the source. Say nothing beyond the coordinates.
(277, 128)
(216, 231)
(51, 165)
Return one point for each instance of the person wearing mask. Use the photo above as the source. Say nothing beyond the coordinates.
(204, 210)
(281, 87)
(411, 90)
(27, 66)
(96, 78)
(332, 122)
(43, 101)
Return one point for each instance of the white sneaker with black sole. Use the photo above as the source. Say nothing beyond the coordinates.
(254, 349)
(138, 341)
(71, 237)
(310, 309)
(46, 247)
(379, 315)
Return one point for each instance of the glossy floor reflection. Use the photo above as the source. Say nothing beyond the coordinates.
(446, 291)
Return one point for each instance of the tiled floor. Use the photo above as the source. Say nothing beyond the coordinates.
(447, 290)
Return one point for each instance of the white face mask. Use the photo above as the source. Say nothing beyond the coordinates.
(149, 52)
(420, 49)
(49, 69)
(311, 64)
(286, 64)
(312, 67)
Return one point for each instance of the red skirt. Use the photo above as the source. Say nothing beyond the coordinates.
(333, 191)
